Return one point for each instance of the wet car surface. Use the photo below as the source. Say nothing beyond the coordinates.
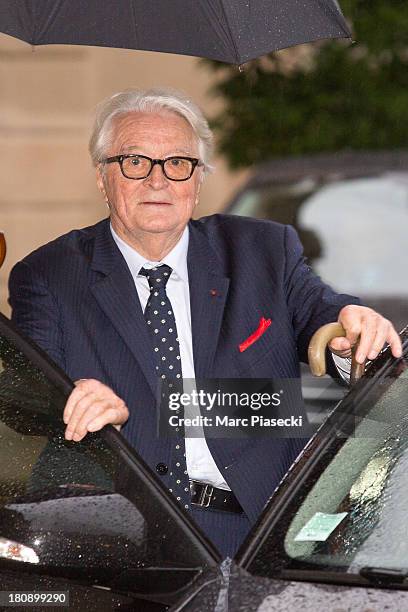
(89, 513)
(92, 519)
(248, 593)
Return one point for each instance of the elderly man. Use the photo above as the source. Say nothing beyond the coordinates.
(149, 294)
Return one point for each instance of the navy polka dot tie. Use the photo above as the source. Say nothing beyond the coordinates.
(161, 324)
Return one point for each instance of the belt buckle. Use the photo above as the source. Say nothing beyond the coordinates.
(206, 496)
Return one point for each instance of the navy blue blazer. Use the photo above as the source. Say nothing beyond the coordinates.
(76, 298)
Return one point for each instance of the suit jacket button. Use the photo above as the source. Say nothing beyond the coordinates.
(162, 469)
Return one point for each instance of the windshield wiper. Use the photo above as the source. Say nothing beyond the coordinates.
(379, 576)
(384, 575)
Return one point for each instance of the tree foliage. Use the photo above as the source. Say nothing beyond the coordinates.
(327, 96)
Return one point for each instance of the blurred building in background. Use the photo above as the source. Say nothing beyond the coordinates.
(47, 97)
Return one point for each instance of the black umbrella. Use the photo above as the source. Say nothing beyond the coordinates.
(233, 31)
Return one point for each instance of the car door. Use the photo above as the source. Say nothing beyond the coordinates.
(333, 535)
(339, 517)
(86, 519)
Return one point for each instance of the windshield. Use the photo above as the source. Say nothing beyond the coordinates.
(349, 512)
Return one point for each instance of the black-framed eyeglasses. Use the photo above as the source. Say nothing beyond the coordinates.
(137, 167)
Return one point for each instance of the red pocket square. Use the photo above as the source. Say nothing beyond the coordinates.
(263, 326)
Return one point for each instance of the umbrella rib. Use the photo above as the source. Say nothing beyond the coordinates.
(134, 26)
(30, 6)
(230, 32)
(334, 9)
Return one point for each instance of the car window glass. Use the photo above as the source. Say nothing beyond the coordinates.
(351, 511)
(278, 202)
(362, 225)
(76, 507)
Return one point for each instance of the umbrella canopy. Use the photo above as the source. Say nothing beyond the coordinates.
(233, 31)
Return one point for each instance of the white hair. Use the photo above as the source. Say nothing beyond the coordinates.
(151, 101)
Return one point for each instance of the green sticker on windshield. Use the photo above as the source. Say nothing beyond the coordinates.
(319, 527)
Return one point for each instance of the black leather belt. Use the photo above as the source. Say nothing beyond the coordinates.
(206, 496)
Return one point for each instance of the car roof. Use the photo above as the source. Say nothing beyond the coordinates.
(344, 164)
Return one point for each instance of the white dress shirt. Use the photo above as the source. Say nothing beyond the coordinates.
(200, 464)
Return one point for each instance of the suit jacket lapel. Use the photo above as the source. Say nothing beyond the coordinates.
(116, 294)
(208, 294)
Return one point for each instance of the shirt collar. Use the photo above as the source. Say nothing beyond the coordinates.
(176, 259)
